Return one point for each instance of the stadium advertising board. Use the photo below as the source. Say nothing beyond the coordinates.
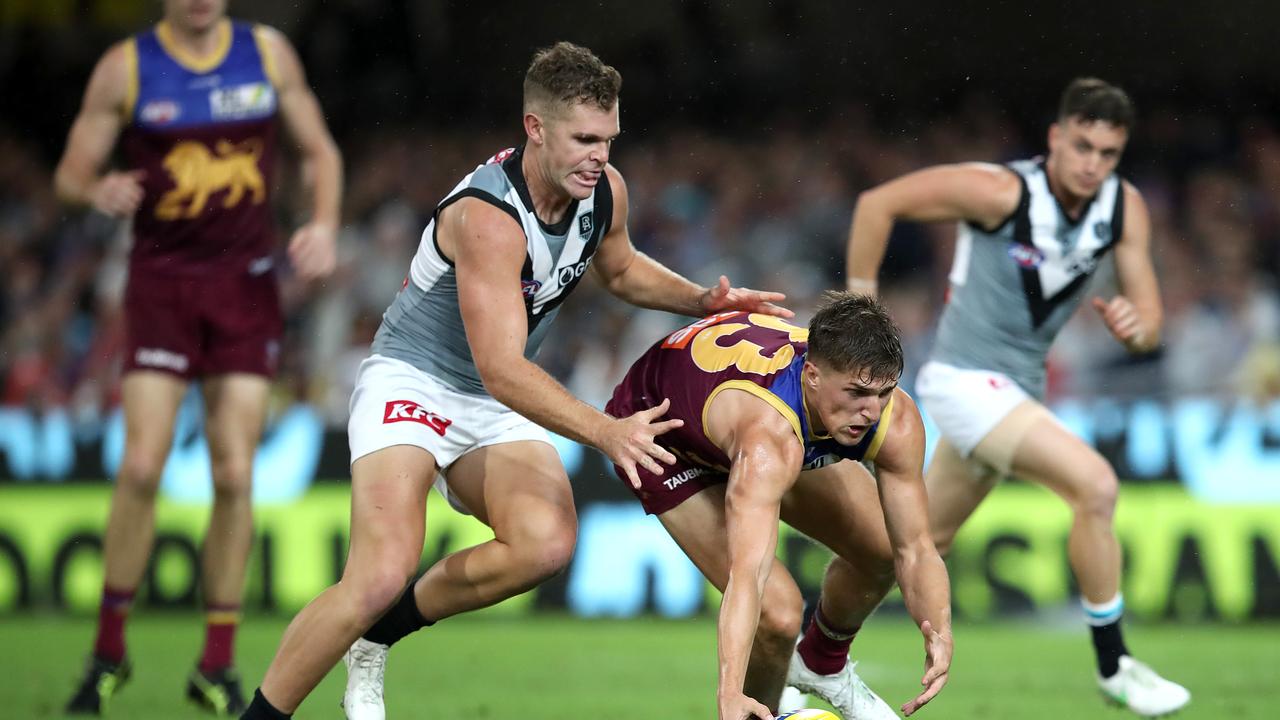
(1186, 559)
(1207, 546)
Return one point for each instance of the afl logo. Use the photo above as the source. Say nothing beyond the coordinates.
(1025, 255)
(529, 288)
(160, 112)
(500, 157)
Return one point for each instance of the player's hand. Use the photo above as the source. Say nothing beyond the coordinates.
(723, 297)
(313, 251)
(629, 442)
(937, 663)
(736, 706)
(118, 194)
(1122, 320)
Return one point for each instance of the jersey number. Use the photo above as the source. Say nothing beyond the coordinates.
(710, 356)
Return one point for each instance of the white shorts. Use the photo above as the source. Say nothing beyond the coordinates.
(966, 404)
(395, 403)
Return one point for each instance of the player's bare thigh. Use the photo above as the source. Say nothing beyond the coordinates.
(512, 484)
(1051, 455)
(839, 506)
(388, 509)
(699, 526)
(235, 410)
(151, 399)
(998, 447)
(958, 484)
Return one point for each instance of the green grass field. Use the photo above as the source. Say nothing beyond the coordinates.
(555, 667)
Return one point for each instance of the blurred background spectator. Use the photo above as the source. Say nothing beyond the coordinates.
(748, 132)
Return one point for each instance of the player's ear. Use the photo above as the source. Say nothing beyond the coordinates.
(810, 374)
(1055, 134)
(534, 128)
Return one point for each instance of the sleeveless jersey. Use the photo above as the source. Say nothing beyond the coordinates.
(1012, 288)
(423, 326)
(204, 133)
(755, 353)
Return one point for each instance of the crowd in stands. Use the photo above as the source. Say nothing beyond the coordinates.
(769, 209)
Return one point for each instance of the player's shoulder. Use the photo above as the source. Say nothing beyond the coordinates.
(279, 59)
(986, 194)
(1131, 192)
(616, 184)
(267, 34)
(114, 77)
(479, 213)
(992, 177)
(1136, 218)
(762, 421)
(120, 57)
(753, 412)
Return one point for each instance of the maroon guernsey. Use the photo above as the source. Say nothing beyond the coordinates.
(755, 353)
(205, 135)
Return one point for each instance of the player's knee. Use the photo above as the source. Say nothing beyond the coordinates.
(378, 589)
(553, 554)
(140, 472)
(781, 612)
(1097, 490)
(545, 547)
(232, 480)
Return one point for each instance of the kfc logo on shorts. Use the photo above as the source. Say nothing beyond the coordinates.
(1025, 255)
(410, 411)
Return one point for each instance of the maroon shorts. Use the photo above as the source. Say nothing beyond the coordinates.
(200, 326)
(675, 484)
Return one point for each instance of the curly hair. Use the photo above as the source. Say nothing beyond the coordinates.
(564, 74)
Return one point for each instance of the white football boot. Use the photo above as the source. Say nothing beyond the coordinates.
(366, 663)
(792, 699)
(844, 690)
(1137, 687)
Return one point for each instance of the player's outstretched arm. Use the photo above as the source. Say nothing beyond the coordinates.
(1134, 316)
(978, 192)
(102, 116)
(920, 570)
(488, 250)
(312, 249)
(765, 456)
(643, 281)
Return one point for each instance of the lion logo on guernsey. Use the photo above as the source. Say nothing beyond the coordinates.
(198, 172)
(410, 411)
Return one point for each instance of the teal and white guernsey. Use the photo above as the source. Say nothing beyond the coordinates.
(1013, 287)
(423, 326)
